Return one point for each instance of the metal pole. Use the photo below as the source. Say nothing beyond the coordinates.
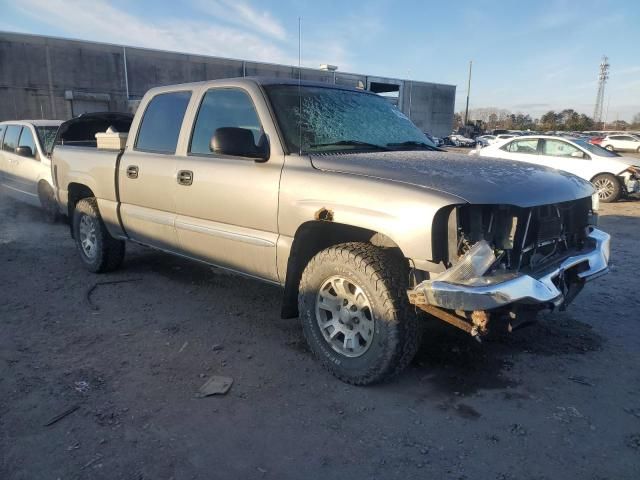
(466, 111)
(126, 75)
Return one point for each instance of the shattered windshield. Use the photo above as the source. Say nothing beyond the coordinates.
(341, 120)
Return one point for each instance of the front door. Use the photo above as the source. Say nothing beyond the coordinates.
(227, 209)
(9, 157)
(27, 168)
(147, 173)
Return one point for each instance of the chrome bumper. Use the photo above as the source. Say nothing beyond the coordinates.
(493, 291)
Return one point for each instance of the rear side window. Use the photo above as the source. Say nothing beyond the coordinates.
(27, 140)
(223, 107)
(160, 127)
(522, 146)
(11, 138)
(1, 134)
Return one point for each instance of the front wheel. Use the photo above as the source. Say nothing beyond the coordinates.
(355, 312)
(610, 148)
(99, 251)
(608, 187)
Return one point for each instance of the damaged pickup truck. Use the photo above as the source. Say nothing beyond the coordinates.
(333, 194)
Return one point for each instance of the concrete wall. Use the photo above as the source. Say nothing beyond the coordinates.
(44, 77)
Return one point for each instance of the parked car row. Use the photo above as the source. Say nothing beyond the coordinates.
(361, 226)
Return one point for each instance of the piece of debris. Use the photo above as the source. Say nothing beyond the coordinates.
(262, 470)
(633, 411)
(109, 282)
(184, 345)
(81, 386)
(92, 461)
(519, 430)
(633, 441)
(581, 380)
(216, 385)
(60, 416)
(217, 347)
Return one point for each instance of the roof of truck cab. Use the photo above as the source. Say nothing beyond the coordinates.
(35, 123)
(255, 80)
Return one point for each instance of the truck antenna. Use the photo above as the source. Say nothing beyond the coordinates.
(299, 85)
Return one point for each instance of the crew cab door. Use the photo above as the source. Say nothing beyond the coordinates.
(147, 171)
(227, 205)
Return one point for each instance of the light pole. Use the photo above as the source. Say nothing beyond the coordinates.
(466, 111)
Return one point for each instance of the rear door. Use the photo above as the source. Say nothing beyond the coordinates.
(147, 172)
(227, 213)
(628, 142)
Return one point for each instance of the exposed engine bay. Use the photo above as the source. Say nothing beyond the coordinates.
(524, 239)
(511, 262)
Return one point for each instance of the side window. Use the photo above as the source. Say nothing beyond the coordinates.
(523, 146)
(1, 135)
(223, 107)
(27, 140)
(161, 123)
(558, 148)
(11, 138)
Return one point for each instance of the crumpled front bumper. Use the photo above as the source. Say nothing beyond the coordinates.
(498, 290)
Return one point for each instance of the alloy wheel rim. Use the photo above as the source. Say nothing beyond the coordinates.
(88, 239)
(345, 316)
(605, 188)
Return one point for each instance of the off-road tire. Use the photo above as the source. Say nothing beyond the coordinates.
(48, 203)
(617, 188)
(109, 250)
(383, 276)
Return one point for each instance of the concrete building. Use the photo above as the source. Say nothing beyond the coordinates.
(53, 78)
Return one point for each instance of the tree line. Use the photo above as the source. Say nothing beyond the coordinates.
(564, 120)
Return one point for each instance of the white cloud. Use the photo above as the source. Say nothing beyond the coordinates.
(241, 14)
(100, 21)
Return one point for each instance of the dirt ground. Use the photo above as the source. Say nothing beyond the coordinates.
(560, 399)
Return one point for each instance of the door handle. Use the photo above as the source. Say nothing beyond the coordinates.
(185, 177)
(132, 171)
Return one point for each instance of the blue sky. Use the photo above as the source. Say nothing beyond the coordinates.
(528, 56)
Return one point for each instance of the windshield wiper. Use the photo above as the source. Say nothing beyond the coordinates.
(349, 143)
(413, 143)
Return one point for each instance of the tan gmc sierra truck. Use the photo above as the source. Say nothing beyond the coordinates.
(333, 194)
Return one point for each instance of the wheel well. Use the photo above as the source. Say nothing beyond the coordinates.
(313, 237)
(603, 173)
(76, 192)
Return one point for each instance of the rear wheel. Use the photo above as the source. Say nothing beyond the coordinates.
(355, 313)
(99, 251)
(608, 187)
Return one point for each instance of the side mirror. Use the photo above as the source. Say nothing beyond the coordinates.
(577, 154)
(239, 142)
(24, 152)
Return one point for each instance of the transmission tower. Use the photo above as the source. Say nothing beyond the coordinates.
(602, 80)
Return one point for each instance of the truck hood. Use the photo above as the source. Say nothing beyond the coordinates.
(477, 180)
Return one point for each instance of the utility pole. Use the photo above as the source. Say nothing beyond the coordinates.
(466, 110)
(602, 81)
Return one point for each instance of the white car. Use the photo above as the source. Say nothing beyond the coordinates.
(629, 143)
(612, 175)
(25, 166)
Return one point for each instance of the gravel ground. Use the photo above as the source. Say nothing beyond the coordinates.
(560, 399)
